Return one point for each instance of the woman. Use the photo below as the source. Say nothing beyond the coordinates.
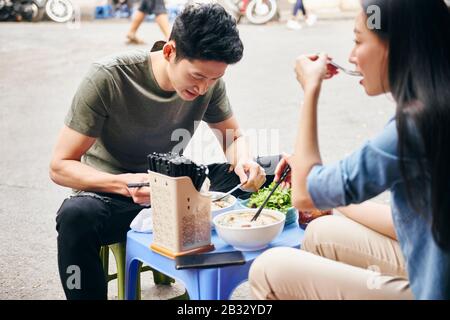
(356, 256)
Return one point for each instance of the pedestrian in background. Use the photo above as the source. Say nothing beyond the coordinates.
(310, 19)
(156, 7)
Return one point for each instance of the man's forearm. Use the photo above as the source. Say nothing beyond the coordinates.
(76, 175)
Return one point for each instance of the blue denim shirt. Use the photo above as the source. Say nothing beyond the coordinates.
(372, 170)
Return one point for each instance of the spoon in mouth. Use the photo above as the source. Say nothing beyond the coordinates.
(349, 72)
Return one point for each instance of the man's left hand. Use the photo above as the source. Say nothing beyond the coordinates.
(250, 173)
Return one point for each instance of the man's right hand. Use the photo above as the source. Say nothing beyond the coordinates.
(140, 195)
(67, 170)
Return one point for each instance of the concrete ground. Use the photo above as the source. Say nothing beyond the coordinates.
(40, 68)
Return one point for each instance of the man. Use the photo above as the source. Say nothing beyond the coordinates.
(127, 107)
(156, 7)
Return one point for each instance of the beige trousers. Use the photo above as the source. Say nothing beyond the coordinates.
(340, 259)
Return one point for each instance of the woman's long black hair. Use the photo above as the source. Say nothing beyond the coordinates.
(418, 35)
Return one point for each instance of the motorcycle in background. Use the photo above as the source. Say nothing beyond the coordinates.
(256, 11)
(35, 10)
(20, 10)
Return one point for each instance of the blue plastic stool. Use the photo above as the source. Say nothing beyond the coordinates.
(103, 12)
(118, 249)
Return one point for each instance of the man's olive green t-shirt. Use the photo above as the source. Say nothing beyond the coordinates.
(120, 103)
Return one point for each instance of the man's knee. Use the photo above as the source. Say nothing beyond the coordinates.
(77, 217)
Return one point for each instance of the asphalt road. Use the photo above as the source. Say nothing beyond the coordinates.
(40, 68)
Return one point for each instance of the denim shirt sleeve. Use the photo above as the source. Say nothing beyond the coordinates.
(363, 175)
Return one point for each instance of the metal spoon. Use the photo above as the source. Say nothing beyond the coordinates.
(349, 72)
(286, 171)
(228, 193)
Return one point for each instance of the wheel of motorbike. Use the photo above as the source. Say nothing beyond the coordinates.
(37, 12)
(4, 10)
(261, 11)
(59, 10)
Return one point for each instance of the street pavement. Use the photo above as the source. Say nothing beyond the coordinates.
(40, 68)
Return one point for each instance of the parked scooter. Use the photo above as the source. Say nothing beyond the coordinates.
(256, 11)
(20, 10)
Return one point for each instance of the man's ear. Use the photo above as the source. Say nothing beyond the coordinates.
(169, 50)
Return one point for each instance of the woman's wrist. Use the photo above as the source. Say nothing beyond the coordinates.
(312, 89)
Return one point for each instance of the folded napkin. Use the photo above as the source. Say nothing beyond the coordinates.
(143, 222)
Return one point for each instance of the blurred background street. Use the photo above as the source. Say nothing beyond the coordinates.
(41, 65)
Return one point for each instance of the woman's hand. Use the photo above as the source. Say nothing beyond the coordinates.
(311, 70)
(279, 171)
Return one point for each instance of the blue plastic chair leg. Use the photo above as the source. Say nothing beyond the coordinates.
(131, 281)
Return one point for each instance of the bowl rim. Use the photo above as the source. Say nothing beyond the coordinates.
(235, 199)
(281, 221)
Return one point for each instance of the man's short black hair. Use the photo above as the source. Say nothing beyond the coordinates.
(207, 32)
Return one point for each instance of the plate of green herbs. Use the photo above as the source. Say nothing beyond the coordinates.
(280, 201)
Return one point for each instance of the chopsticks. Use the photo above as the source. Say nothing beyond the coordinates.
(138, 185)
(174, 165)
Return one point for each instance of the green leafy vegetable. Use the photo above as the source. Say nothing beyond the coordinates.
(280, 200)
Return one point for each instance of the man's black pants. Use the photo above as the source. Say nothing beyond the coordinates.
(87, 221)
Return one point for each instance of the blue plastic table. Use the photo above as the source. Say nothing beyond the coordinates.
(201, 284)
